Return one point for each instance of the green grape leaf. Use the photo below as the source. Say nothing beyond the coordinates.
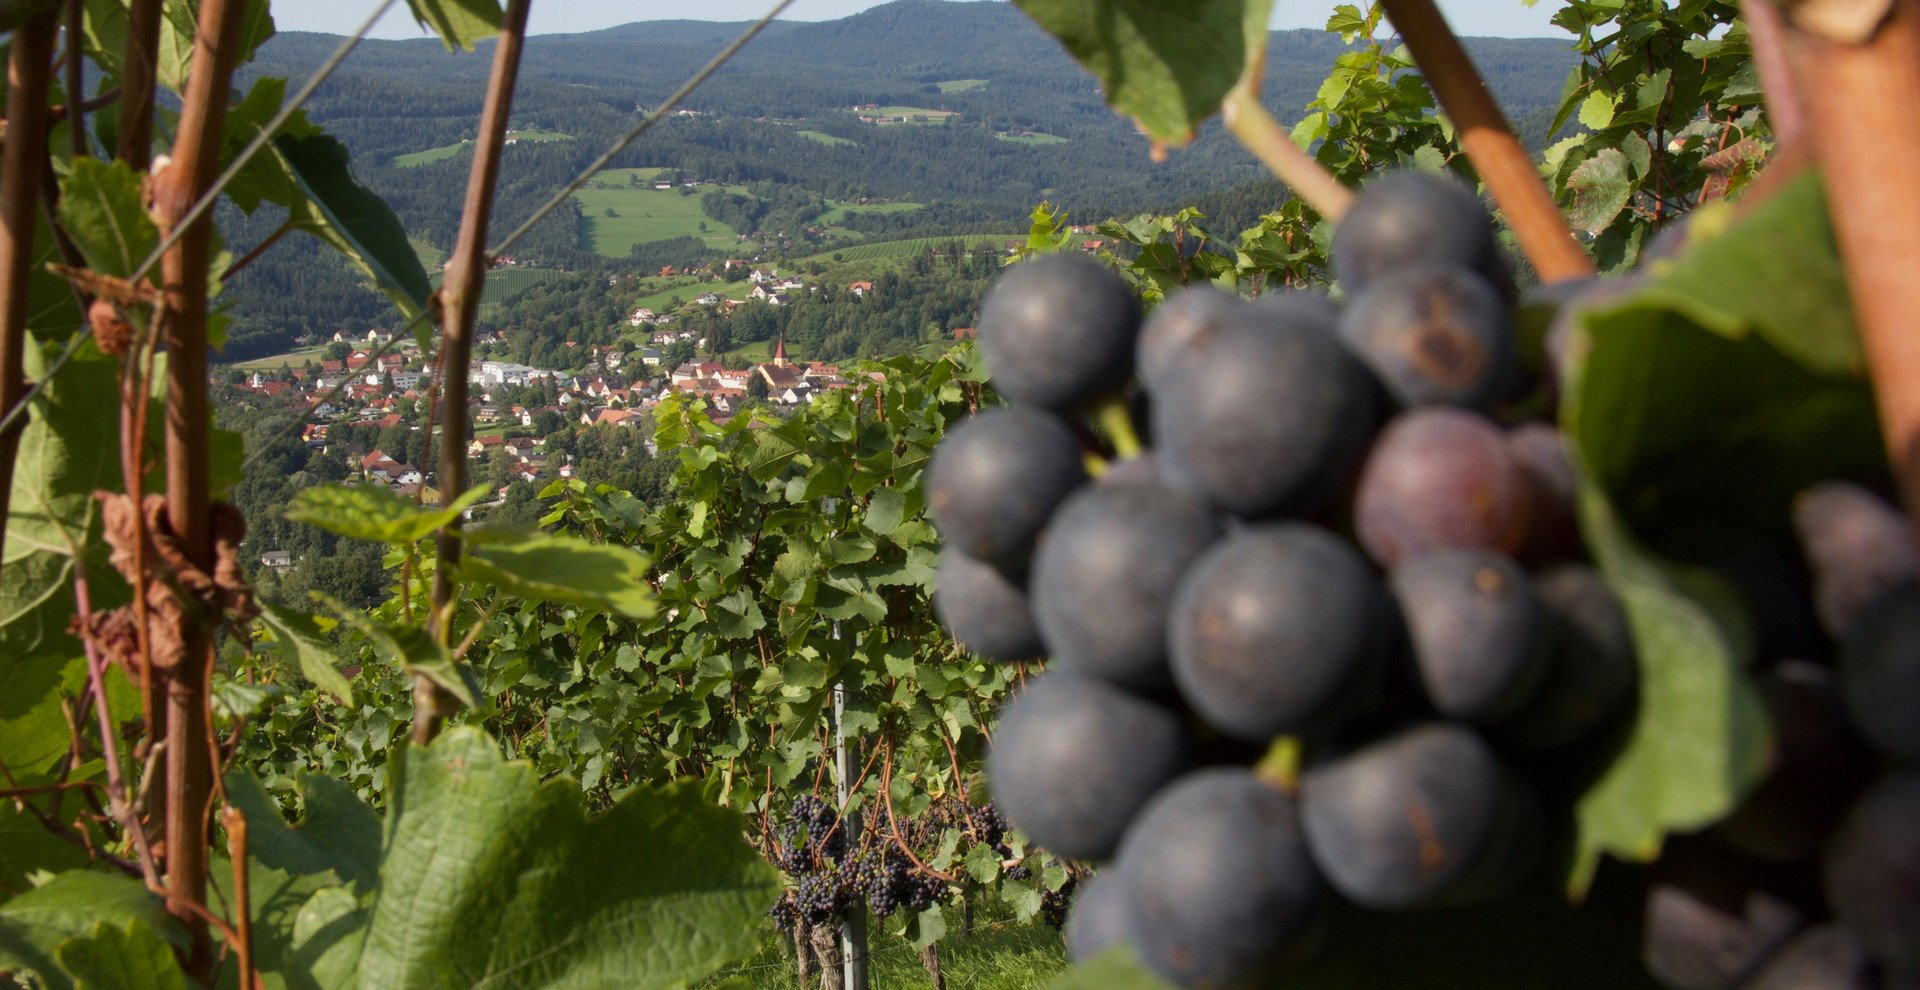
(1713, 287)
(35, 925)
(1596, 112)
(547, 567)
(334, 848)
(459, 23)
(1601, 188)
(178, 27)
(303, 644)
(26, 847)
(418, 653)
(490, 877)
(52, 517)
(375, 512)
(112, 959)
(885, 510)
(340, 211)
(1168, 66)
(100, 209)
(1696, 408)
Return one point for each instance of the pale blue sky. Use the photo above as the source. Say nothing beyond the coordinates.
(1503, 18)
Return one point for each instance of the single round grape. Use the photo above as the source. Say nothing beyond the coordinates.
(1481, 639)
(1575, 301)
(1407, 218)
(1819, 766)
(1826, 957)
(1857, 545)
(1269, 419)
(984, 610)
(1553, 530)
(1276, 630)
(1880, 672)
(1872, 873)
(1059, 332)
(1073, 759)
(1710, 934)
(1763, 567)
(1592, 670)
(1097, 920)
(996, 479)
(1183, 324)
(1440, 477)
(1104, 578)
(1435, 335)
(1220, 890)
(1310, 309)
(1425, 817)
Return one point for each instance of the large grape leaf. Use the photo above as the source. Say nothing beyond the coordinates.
(26, 846)
(67, 450)
(1167, 65)
(1707, 398)
(35, 926)
(375, 512)
(179, 24)
(560, 568)
(336, 208)
(459, 23)
(489, 877)
(112, 959)
(302, 642)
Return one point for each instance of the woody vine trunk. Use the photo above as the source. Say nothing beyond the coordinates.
(29, 67)
(183, 322)
(460, 300)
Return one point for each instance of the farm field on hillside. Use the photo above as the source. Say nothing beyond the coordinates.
(643, 213)
(292, 359)
(503, 284)
(840, 211)
(959, 85)
(824, 138)
(896, 250)
(686, 290)
(908, 115)
(1032, 137)
(449, 150)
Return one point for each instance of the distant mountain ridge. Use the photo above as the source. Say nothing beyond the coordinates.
(885, 48)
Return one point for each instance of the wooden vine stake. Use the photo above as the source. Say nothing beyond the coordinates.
(1502, 161)
(1858, 72)
(194, 166)
(459, 301)
(29, 69)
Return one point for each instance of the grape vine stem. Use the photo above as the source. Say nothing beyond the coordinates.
(1860, 99)
(1502, 161)
(1262, 135)
(460, 304)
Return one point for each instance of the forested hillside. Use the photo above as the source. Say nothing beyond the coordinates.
(1026, 125)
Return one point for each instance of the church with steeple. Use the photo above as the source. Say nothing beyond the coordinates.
(779, 373)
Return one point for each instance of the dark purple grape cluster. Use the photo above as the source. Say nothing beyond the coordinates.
(1345, 534)
(828, 876)
(785, 913)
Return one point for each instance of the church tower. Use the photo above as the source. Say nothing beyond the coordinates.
(780, 352)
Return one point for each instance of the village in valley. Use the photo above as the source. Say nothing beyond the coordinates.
(364, 399)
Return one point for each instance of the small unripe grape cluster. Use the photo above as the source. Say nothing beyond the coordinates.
(1341, 535)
